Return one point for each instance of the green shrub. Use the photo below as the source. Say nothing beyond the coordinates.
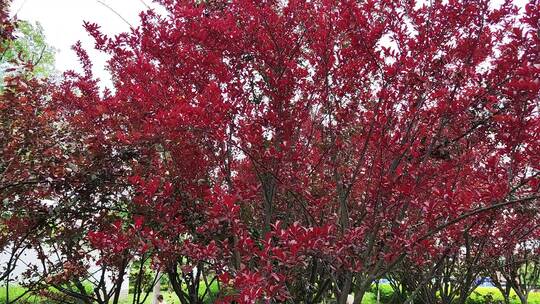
(386, 293)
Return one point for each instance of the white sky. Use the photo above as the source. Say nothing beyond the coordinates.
(62, 21)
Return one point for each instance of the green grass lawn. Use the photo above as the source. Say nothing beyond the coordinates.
(480, 292)
(14, 292)
(170, 298)
(370, 298)
(476, 298)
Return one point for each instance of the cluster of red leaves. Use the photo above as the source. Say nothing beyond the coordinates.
(32, 162)
(7, 25)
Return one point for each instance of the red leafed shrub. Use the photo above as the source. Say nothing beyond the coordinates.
(295, 149)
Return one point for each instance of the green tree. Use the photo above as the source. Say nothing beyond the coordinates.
(28, 47)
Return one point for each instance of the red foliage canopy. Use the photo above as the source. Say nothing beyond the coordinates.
(295, 148)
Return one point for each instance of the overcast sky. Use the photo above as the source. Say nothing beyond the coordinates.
(62, 21)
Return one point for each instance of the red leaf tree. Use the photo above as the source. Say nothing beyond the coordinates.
(294, 149)
(55, 190)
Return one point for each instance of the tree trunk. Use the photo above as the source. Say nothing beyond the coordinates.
(118, 287)
(177, 284)
(361, 291)
(157, 288)
(345, 288)
(522, 295)
(378, 293)
(269, 188)
(359, 296)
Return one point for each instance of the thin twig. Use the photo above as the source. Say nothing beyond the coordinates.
(20, 7)
(115, 12)
(144, 3)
